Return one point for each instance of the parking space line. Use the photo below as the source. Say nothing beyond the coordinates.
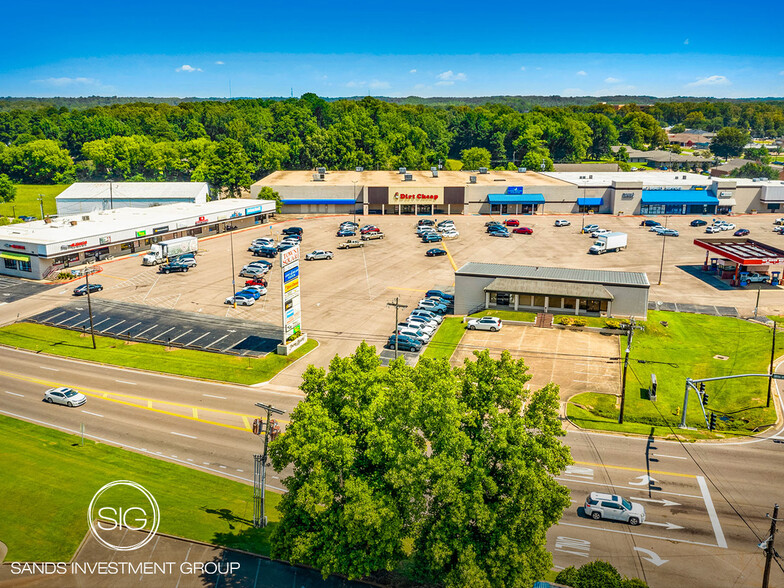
(14, 394)
(162, 334)
(114, 325)
(51, 318)
(132, 326)
(714, 518)
(145, 330)
(197, 338)
(183, 435)
(670, 456)
(92, 413)
(178, 336)
(98, 323)
(449, 255)
(70, 318)
(216, 340)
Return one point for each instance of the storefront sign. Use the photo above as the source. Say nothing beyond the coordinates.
(104, 240)
(290, 307)
(415, 195)
(725, 194)
(627, 196)
(74, 245)
(201, 219)
(14, 246)
(141, 233)
(159, 230)
(253, 210)
(223, 216)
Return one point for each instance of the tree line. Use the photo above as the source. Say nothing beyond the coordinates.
(230, 144)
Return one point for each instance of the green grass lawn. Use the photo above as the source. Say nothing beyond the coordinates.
(184, 362)
(26, 201)
(686, 348)
(446, 339)
(49, 479)
(507, 315)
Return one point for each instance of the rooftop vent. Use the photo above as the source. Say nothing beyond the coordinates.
(321, 170)
(318, 178)
(47, 220)
(472, 179)
(401, 170)
(73, 223)
(482, 170)
(432, 169)
(435, 173)
(360, 169)
(408, 178)
(522, 170)
(684, 176)
(86, 217)
(590, 177)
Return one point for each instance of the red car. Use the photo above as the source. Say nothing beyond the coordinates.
(524, 231)
(256, 282)
(512, 222)
(367, 230)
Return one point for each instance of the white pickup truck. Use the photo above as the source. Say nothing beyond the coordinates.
(318, 254)
(351, 244)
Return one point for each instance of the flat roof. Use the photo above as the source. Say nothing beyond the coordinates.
(743, 251)
(648, 178)
(539, 287)
(105, 190)
(419, 177)
(562, 274)
(119, 219)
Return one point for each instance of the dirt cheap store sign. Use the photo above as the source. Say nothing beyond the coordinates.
(291, 310)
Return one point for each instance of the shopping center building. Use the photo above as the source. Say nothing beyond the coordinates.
(519, 192)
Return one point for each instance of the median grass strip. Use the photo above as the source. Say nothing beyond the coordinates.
(446, 339)
(49, 479)
(696, 346)
(26, 201)
(147, 356)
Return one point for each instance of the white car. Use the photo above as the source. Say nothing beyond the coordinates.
(240, 300)
(598, 232)
(422, 320)
(187, 261)
(486, 323)
(426, 329)
(253, 271)
(562, 222)
(713, 229)
(727, 227)
(64, 396)
(451, 234)
(258, 288)
(427, 314)
(417, 334)
(779, 221)
(318, 254)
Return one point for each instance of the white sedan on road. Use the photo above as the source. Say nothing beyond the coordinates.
(64, 396)
(486, 323)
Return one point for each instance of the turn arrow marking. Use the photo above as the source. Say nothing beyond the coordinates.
(663, 502)
(668, 526)
(645, 480)
(653, 557)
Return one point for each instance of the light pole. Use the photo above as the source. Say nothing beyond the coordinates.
(355, 201)
(664, 242)
(260, 470)
(41, 203)
(87, 273)
(233, 285)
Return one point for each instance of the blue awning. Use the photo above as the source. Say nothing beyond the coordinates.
(340, 201)
(679, 197)
(515, 198)
(589, 201)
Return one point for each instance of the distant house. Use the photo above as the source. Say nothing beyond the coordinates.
(690, 140)
(726, 169)
(664, 159)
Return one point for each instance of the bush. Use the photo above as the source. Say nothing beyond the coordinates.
(596, 574)
(579, 321)
(612, 323)
(65, 276)
(564, 320)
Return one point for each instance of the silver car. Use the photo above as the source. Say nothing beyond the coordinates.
(64, 396)
(599, 505)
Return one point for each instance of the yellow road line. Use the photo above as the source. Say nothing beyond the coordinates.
(449, 255)
(247, 423)
(612, 467)
(115, 277)
(195, 413)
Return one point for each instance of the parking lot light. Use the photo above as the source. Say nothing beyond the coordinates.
(233, 284)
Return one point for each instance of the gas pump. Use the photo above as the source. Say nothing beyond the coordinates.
(774, 278)
(714, 265)
(744, 279)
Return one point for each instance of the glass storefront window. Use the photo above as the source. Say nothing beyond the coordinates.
(593, 306)
(556, 302)
(10, 264)
(539, 301)
(25, 266)
(583, 304)
(568, 303)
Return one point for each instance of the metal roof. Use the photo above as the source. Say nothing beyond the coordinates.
(556, 274)
(132, 190)
(743, 251)
(546, 288)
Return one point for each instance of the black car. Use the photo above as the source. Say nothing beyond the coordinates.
(650, 223)
(292, 231)
(285, 246)
(698, 222)
(741, 232)
(82, 290)
(425, 222)
(266, 252)
(435, 252)
(173, 266)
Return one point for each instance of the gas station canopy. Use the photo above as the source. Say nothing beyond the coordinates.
(743, 251)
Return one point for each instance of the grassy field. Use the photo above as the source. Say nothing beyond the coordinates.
(446, 339)
(184, 362)
(687, 347)
(507, 315)
(26, 201)
(49, 478)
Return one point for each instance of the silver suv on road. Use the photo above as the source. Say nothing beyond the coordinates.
(613, 507)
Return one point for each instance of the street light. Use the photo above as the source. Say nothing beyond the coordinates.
(87, 273)
(355, 200)
(233, 285)
(664, 242)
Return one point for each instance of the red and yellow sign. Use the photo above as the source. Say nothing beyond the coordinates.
(416, 195)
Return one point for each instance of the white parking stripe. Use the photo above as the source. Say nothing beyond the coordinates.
(51, 369)
(211, 396)
(114, 325)
(670, 456)
(145, 330)
(54, 316)
(183, 435)
(132, 326)
(92, 413)
(98, 323)
(70, 318)
(124, 382)
(216, 340)
(14, 394)
(162, 334)
(178, 336)
(197, 338)
(714, 518)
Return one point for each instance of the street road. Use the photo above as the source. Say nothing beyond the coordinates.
(705, 503)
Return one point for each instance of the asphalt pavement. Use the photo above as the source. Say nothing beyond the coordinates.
(13, 289)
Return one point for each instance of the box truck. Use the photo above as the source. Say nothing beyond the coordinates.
(608, 242)
(163, 250)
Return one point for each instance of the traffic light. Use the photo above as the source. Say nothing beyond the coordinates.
(703, 396)
(705, 400)
(274, 429)
(256, 426)
(712, 424)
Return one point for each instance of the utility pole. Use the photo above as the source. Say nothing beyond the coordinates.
(625, 367)
(111, 196)
(233, 285)
(756, 306)
(772, 359)
(661, 264)
(260, 469)
(769, 550)
(41, 203)
(397, 306)
(87, 273)
(355, 200)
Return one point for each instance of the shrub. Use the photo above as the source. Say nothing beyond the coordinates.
(579, 321)
(612, 324)
(65, 276)
(564, 320)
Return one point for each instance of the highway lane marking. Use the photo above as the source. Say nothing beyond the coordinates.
(714, 518)
(51, 369)
(182, 435)
(594, 528)
(149, 404)
(124, 382)
(637, 488)
(145, 330)
(628, 469)
(211, 396)
(178, 336)
(92, 413)
(14, 394)
(246, 423)
(670, 456)
(195, 413)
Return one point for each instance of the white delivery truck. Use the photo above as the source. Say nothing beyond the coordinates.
(163, 250)
(608, 242)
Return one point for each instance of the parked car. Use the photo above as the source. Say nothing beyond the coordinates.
(650, 223)
(256, 282)
(512, 222)
(440, 294)
(499, 234)
(755, 278)
(427, 314)
(698, 222)
(495, 227)
(292, 231)
(778, 221)
(435, 252)
(523, 231)
(292, 239)
(486, 323)
(727, 227)
(432, 306)
(779, 229)
(189, 261)
(431, 238)
(425, 231)
(741, 232)
(349, 224)
(319, 254)
(403, 343)
(346, 233)
(252, 272)
(285, 246)
(259, 263)
(417, 326)
(262, 290)
(713, 229)
(372, 236)
(250, 293)
(599, 505)
(82, 290)
(598, 232)
(590, 228)
(414, 333)
(423, 320)
(492, 222)
(669, 233)
(369, 229)
(426, 222)
(266, 252)
(240, 300)
(452, 234)
(562, 222)
(174, 266)
(446, 223)
(65, 396)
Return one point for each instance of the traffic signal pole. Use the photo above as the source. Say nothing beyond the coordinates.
(769, 550)
(259, 486)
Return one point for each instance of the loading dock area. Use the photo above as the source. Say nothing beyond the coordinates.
(742, 261)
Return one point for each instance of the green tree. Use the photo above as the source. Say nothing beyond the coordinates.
(679, 128)
(226, 166)
(605, 135)
(268, 193)
(755, 170)
(760, 154)
(459, 460)
(7, 189)
(729, 142)
(475, 157)
(596, 574)
(37, 162)
(534, 159)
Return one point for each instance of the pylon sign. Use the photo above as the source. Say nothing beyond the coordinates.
(290, 309)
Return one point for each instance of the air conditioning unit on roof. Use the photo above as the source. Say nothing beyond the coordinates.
(435, 173)
(408, 178)
(472, 179)
(360, 169)
(318, 178)
(482, 170)
(321, 170)
(522, 170)
(401, 170)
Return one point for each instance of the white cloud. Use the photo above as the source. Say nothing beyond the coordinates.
(611, 80)
(219, 63)
(581, 73)
(356, 84)
(379, 85)
(412, 71)
(188, 68)
(65, 81)
(572, 92)
(450, 76)
(711, 81)
(686, 42)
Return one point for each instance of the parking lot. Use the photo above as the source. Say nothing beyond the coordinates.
(344, 300)
(12, 289)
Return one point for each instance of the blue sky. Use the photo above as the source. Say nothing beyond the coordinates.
(264, 48)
